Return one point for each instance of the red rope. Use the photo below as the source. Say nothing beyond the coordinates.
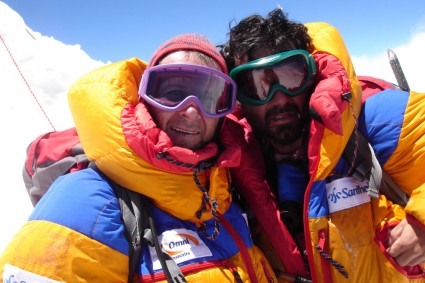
(26, 82)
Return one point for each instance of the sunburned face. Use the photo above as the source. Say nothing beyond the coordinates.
(282, 119)
(187, 127)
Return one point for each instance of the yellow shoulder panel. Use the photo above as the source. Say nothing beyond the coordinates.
(327, 39)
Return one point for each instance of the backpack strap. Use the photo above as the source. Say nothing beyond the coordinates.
(357, 152)
(138, 221)
(386, 184)
(170, 268)
(134, 214)
(365, 165)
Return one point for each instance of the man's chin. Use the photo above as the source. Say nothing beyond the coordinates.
(188, 144)
(283, 136)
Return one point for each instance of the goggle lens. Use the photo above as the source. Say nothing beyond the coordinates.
(171, 87)
(291, 72)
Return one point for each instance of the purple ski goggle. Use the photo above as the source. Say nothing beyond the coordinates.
(170, 87)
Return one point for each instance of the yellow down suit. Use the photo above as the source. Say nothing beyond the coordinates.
(76, 234)
(345, 230)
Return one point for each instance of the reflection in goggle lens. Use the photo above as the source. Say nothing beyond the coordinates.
(291, 72)
(171, 87)
(257, 83)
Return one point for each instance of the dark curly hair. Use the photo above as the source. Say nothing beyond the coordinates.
(275, 33)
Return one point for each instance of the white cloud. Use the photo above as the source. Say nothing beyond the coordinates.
(49, 67)
(410, 56)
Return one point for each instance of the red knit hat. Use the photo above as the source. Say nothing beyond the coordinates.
(196, 42)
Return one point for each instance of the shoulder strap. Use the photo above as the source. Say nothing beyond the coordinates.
(170, 268)
(139, 227)
(134, 215)
(364, 164)
(357, 152)
(385, 183)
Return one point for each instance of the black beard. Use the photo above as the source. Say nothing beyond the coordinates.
(285, 134)
(288, 133)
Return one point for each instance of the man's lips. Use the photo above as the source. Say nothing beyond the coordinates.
(184, 131)
(283, 117)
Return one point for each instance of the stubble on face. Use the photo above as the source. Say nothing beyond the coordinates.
(284, 133)
(185, 133)
(282, 125)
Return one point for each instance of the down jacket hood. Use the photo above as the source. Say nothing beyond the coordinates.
(119, 134)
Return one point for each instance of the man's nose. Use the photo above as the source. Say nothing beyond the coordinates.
(191, 112)
(280, 97)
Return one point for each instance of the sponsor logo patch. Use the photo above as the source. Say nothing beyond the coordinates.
(346, 193)
(181, 245)
(13, 274)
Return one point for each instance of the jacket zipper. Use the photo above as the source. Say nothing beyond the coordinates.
(326, 268)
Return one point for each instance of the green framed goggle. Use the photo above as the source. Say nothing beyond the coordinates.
(291, 72)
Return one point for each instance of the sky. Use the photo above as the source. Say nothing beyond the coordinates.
(114, 30)
(47, 44)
